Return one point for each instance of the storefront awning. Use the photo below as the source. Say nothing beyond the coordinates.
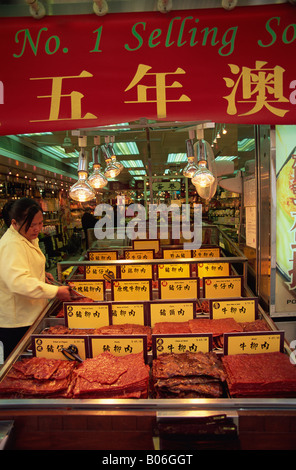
(69, 72)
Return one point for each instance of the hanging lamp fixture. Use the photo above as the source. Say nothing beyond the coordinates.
(191, 167)
(115, 161)
(97, 179)
(81, 191)
(113, 168)
(203, 176)
(36, 8)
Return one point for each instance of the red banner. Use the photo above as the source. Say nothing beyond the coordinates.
(66, 72)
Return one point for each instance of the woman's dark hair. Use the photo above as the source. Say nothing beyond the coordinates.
(23, 211)
(6, 211)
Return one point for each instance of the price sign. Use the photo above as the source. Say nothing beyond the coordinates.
(143, 271)
(128, 313)
(212, 269)
(244, 309)
(138, 254)
(119, 345)
(174, 254)
(100, 272)
(179, 289)
(171, 311)
(146, 245)
(166, 271)
(50, 346)
(94, 290)
(206, 253)
(253, 343)
(125, 290)
(217, 287)
(178, 344)
(86, 315)
(166, 186)
(102, 255)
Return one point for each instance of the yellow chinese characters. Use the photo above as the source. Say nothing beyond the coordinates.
(259, 86)
(56, 96)
(160, 88)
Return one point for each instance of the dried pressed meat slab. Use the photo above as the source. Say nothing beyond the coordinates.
(127, 329)
(37, 377)
(256, 325)
(171, 328)
(215, 326)
(260, 375)
(187, 375)
(33, 387)
(206, 390)
(123, 329)
(105, 376)
(131, 383)
(188, 364)
(37, 368)
(105, 369)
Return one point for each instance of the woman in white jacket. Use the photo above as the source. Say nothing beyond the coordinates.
(24, 286)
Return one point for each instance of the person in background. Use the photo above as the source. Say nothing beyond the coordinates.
(24, 285)
(88, 220)
(6, 212)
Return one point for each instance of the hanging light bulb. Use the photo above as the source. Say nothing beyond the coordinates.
(113, 167)
(111, 170)
(117, 163)
(191, 168)
(113, 156)
(97, 179)
(81, 191)
(203, 177)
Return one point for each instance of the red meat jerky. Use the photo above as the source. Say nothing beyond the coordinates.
(122, 329)
(37, 367)
(187, 375)
(37, 377)
(171, 328)
(105, 369)
(105, 376)
(256, 325)
(188, 364)
(260, 375)
(131, 383)
(217, 327)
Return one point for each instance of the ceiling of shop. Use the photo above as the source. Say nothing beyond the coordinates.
(62, 7)
(154, 143)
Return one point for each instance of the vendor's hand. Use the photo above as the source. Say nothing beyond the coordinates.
(64, 293)
(49, 277)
